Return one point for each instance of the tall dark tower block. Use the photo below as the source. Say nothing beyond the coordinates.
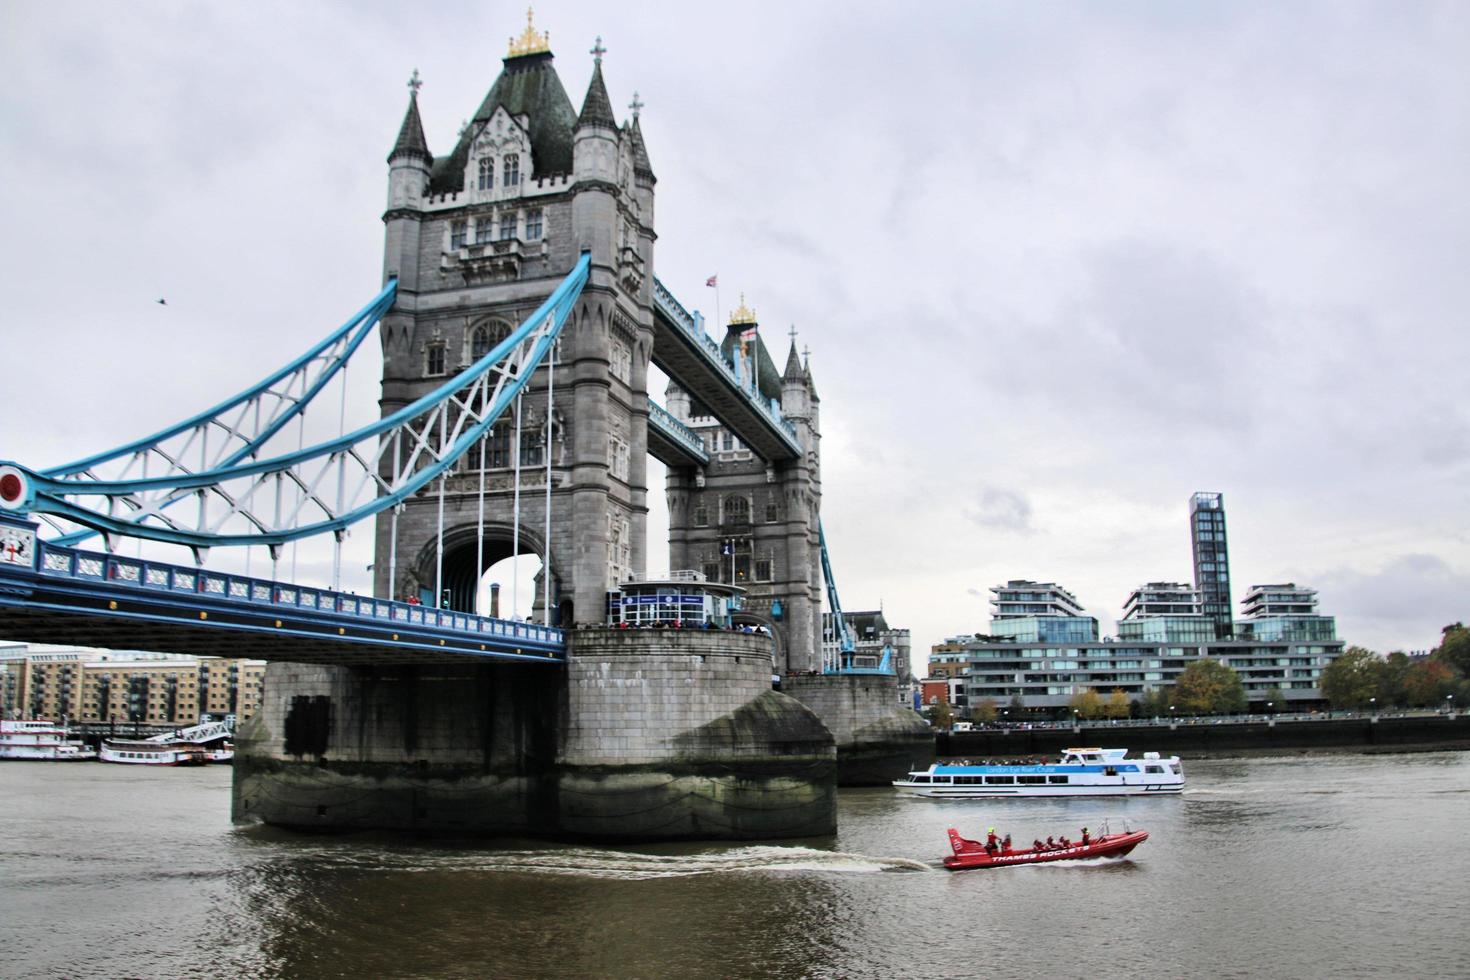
(1212, 559)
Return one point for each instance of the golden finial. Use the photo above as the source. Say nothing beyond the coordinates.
(530, 42)
(743, 315)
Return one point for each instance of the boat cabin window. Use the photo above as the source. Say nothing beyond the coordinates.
(1092, 758)
(1058, 780)
(1153, 768)
(1110, 771)
(1031, 780)
(921, 779)
(1000, 780)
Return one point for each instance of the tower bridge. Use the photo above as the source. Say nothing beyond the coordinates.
(518, 321)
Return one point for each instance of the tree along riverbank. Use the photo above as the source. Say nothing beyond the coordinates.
(1204, 738)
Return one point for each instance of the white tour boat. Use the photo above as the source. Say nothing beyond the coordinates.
(150, 753)
(44, 740)
(1081, 772)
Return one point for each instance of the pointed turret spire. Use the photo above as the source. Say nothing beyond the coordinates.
(411, 140)
(597, 107)
(794, 370)
(642, 166)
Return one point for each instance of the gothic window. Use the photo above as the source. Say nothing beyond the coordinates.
(507, 225)
(533, 225)
(533, 448)
(701, 515)
(457, 231)
(619, 549)
(772, 512)
(711, 571)
(511, 173)
(484, 231)
(480, 342)
(434, 360)
(736, 509)
(487, 173)
(621, 362)
(617, 457)
(763, 570)
(742, 559)
(484, 338)
(499, 448)
(727, 441)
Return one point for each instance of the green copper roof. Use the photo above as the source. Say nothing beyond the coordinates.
(527, 86)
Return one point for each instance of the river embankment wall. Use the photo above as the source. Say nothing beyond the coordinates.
(1205, 739)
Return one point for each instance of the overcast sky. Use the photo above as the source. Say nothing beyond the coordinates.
(1059, 265)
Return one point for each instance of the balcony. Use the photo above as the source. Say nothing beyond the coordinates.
(491, 261)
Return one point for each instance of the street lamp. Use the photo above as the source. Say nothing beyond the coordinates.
(1171, 714)
(1373, 706)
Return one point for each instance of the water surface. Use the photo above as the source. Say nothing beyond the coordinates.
(1328, 866)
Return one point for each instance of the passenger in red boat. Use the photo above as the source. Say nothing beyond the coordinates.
(990, 842)
(1037, 845)
(1005, 843)
(1086, 840)
(1051, 845)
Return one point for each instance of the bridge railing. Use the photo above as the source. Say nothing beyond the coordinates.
(676, 430)
(671, 308)
(159, 577)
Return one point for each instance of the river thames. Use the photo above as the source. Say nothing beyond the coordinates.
(1336, 865)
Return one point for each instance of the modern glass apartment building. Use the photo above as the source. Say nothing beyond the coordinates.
(1022, 597)
(1276, 659)
(1275, 613)
(1211, 559)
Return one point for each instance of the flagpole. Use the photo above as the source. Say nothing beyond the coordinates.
(714, 281)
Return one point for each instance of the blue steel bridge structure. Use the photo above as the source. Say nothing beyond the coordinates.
(241, 474)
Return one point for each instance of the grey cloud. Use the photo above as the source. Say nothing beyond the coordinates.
(1403, 603)
(1002, 509)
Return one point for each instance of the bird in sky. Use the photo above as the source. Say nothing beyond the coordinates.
(163, 302)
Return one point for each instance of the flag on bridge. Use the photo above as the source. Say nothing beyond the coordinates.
(727, 548)
(713, 281)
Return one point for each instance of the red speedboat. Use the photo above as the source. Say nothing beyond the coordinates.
(972, 854)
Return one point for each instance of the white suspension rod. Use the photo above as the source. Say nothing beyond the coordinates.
(515, 524)
(546, 541)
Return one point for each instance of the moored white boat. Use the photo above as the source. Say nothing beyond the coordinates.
(1080, 772)
(147, 753)
(41, 740)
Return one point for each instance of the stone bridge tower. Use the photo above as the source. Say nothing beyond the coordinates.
(477, 239)
(749, 521)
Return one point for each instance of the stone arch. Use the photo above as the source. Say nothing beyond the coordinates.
(461, 579)
(747, 617)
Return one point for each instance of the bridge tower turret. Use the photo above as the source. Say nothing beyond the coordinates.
(478, 238)
(408, 179)
(751, 521)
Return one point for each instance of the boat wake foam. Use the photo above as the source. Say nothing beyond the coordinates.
(595, 863)
(616, 864)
